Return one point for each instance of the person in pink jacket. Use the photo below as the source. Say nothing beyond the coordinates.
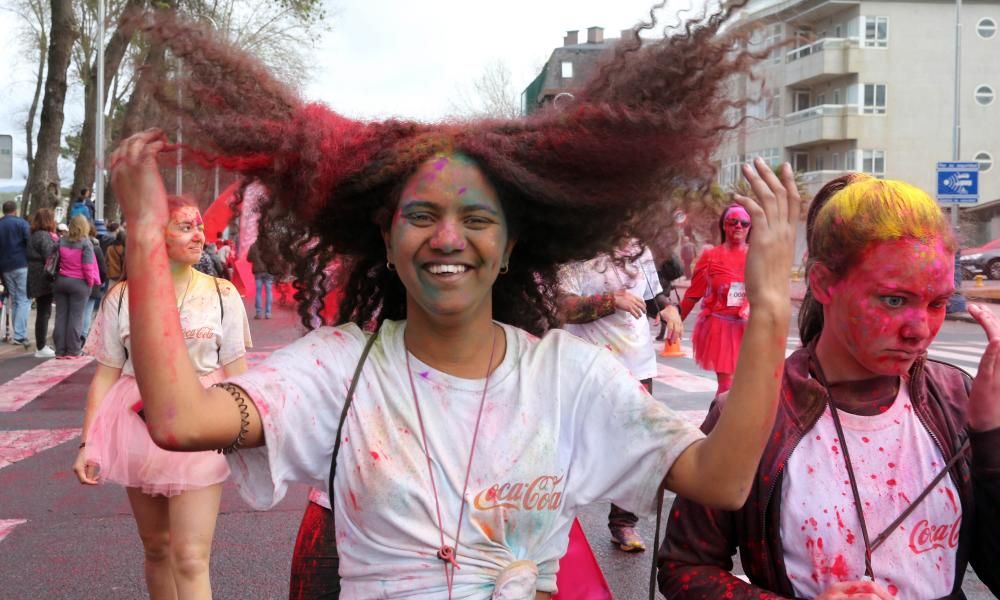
(77, 274)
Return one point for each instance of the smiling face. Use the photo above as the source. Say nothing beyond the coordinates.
(448, 239)
(887, 310)
(185, 235)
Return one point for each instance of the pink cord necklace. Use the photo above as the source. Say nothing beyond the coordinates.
(448, 554)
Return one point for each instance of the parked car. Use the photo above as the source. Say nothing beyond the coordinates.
(982, 260)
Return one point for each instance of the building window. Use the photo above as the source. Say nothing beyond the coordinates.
(773, 41)
(838, 32)
(836, 161)
(800, 162)
(876, 32)
(567, 69)
(851, 160)
(984, 95)
(873, 162)
(986, 28)
(985, 161)
(836, 96)
(772, 156)
(874, 99)
(820, 163)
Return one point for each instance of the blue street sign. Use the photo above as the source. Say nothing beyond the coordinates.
(958, 182)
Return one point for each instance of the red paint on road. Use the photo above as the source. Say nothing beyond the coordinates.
(18, 445)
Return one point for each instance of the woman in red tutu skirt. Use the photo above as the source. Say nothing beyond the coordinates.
(174, 495)
(718, 281)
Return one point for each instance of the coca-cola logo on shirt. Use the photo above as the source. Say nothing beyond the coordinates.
(926, 536)
(540, 494)
(201, 333)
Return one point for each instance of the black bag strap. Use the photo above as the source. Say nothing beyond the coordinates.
(222, 307)
(656, 539)
(343, 415)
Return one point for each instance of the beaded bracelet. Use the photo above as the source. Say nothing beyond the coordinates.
(237, 393)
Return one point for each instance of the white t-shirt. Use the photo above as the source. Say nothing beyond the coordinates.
(894, 458)
(628, 338)
(556, 414)
(213, 340)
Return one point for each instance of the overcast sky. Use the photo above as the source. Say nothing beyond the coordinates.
(387, 57)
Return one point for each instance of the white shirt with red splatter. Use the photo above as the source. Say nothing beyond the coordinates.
(564, 426)
(627, 337)
(894, 458)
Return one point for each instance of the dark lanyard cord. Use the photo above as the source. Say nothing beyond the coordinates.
(871, 546)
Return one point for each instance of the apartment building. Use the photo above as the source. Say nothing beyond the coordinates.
(868, 85)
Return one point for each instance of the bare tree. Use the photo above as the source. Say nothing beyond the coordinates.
(44, 169)
(33, 34)
(86, 66)
(492, 95)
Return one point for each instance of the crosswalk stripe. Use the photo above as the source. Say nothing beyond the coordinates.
(969, 363)
(683, 381)
(18, 445)
(8, 525)
(36, 381)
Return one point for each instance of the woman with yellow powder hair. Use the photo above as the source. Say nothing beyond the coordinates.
(881, 477)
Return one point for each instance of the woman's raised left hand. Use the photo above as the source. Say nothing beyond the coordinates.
(774, 214)
(984, 400)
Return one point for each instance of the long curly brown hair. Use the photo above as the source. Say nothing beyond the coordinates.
(573, 182)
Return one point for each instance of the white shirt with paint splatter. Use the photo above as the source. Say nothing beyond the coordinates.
(214, 335)
(628, 338)
(894, 458)
(564, 426)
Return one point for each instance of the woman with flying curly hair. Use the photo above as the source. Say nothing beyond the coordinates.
(457, 437)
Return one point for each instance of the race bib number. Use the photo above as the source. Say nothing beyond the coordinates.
(737, 294)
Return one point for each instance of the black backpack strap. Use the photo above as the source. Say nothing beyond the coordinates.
(343, 413)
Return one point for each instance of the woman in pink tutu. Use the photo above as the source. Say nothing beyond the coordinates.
(718, 281)
(174, 495)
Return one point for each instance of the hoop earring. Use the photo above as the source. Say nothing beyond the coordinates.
(504, 268)
(390, 266)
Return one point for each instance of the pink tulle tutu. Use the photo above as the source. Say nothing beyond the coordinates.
(716, 341)
(119, 444)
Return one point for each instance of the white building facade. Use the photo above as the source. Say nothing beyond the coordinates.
(868, 85)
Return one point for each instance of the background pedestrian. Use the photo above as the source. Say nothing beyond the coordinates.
(719, 279)
(603, 302)
(97, 291)
(43, 243)
(78, 273)
(264, 279)
(14, 234)
(174, 496)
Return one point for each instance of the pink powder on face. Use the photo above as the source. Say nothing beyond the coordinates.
(887, 309)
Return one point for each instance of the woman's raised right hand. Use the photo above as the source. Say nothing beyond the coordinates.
(85, 472)
(136, 180)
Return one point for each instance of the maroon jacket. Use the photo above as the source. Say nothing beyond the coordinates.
(696, 557)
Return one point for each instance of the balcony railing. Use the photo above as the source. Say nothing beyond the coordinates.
(822, 110)
(819, 46)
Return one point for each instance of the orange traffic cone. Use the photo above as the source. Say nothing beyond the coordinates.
(672, 349)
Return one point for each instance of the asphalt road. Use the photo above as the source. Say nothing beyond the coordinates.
(62, 540)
